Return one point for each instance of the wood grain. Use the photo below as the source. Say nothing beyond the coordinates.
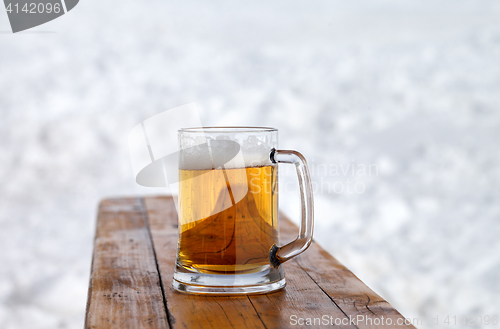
(124, 289)
(348, 292)
(318, 286)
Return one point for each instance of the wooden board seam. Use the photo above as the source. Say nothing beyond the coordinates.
(170, 318)
(327, 295)
(256, 312)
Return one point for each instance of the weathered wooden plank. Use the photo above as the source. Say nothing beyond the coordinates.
(348, 292)
(189, 311)
(301, 298)
(317, 284)
(124, 289)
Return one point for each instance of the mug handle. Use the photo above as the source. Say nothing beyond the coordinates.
(279, 255)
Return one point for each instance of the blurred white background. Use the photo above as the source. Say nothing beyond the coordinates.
(413, 87)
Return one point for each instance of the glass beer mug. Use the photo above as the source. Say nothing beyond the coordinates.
(228, 211)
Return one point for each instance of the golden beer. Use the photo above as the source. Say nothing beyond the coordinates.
(228, 219)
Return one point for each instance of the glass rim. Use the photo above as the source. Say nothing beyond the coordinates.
(227, 129)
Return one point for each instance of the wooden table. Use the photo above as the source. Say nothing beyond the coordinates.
(132, 270)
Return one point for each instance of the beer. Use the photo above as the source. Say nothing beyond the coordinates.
(228, 219)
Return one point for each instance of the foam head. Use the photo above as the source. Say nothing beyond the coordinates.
(223, 152)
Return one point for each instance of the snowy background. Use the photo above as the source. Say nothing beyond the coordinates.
(412, 87)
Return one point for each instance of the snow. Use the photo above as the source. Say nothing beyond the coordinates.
(412, 87)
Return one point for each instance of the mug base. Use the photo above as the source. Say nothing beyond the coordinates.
(190, 281)
(225, 291)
